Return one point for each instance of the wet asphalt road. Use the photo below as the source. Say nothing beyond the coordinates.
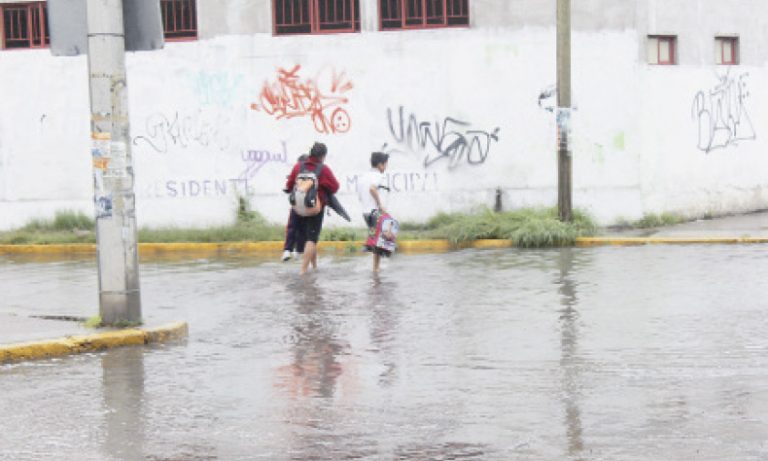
(640, 353)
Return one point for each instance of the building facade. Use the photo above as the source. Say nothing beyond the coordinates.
(669, 107)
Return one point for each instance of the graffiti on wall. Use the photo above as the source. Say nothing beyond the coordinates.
(196, 188)
(548, 98)
(450, 140)
(256, 159)
(216, 88)
(321, 99)
(163, 131)
(721, 114)
(414, 181)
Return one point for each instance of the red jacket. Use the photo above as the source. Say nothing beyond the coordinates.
(327, 181)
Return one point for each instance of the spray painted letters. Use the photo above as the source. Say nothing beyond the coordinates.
(721, 114)
(202, 129)
(451, 140)
(256, 159)
(321, 99)
(216, 88)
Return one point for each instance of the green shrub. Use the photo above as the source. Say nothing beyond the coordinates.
(530, 227)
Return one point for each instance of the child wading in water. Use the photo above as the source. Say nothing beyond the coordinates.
(372, 191)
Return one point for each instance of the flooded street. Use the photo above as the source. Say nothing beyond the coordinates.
(637, 353)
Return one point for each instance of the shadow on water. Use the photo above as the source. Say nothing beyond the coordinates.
(569, 344)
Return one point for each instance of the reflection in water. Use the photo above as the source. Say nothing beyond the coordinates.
(384, 321)
(569, 336)
(123, 391)
(315, 346)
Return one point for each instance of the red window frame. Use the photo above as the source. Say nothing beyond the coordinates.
(734, 41)
(24, 25)
(422, 14)
(290, 17)
(179, 19)
(672, 41)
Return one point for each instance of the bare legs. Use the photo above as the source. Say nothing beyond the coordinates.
(376, 261)
(310, 257)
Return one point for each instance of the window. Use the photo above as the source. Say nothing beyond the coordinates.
(179, 19)
(662, 50)
(727, 50)
(316, 16)
(422, 14)
(25, 25)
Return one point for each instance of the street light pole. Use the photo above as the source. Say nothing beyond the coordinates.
(564, 175)
(113, 178)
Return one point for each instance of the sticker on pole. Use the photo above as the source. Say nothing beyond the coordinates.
(101, 150)
(103, 205)
(117, 167)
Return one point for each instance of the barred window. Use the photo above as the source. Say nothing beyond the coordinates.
(422, 14)
(25, 25)
(727, 50)
(179, 19)
(316, 16)
(662, 50)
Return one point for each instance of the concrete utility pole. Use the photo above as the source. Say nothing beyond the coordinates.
(564, 184)
(116, 235)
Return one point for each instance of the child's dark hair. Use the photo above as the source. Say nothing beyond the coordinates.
(318, 150)
(378, 158)
(303, 158)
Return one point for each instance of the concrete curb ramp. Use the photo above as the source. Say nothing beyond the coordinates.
(626, 241)
(91, 343)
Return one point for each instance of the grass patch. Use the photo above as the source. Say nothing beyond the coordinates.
(93, 322)
(62, 221)
(536, 227)
(658, 220)
(65, 227)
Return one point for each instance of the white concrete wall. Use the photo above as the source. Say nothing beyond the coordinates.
(203, 135)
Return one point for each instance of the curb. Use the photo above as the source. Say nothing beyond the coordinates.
(404, 246)
(627, 241)
(151, 249)
(91, 343)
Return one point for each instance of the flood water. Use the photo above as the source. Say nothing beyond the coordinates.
(639, 353)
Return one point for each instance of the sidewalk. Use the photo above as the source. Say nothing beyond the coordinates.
(16, 328)
(29, 338)
(746, 228)
(752, 225)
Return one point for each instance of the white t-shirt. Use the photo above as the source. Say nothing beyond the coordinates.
(364, 183)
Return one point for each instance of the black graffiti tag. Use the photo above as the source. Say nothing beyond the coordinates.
(163, 131)
(721, 114)
(450, 140)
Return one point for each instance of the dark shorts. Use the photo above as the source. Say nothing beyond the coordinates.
(310, 226)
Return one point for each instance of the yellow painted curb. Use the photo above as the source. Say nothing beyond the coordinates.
(151, 249)
(91, 343)
(404, 246)
(606, 241)
(73, 248)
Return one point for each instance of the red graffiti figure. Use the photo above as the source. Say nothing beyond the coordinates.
(320, 99)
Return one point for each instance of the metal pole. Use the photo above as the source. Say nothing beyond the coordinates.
(564, 184)
(116, 236)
